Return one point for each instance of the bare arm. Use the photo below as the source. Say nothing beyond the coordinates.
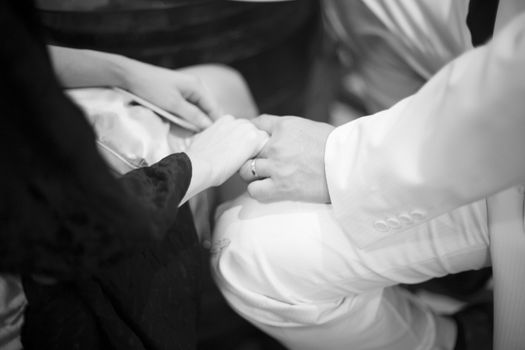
(180, 93)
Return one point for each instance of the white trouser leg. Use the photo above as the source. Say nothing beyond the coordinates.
(291, 270)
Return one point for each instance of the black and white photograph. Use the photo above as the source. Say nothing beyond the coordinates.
(262, 175)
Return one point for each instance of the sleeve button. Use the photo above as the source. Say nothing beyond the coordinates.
(406, 219)
(381, 226)
(393, 223)
(418, 215)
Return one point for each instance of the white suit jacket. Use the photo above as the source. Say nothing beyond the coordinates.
(458, 139)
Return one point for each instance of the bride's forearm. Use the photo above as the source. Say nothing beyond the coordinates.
(84, 68)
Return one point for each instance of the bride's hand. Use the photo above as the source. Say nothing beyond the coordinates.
(219, 151)
(180, 93)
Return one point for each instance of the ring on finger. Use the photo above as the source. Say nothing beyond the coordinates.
(253, 169)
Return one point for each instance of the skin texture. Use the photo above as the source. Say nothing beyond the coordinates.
(291, 165)
(219, 151)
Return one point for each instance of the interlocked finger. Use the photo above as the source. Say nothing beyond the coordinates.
(263, 190)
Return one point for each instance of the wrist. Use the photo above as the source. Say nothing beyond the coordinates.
(119, 69)
(131, 73)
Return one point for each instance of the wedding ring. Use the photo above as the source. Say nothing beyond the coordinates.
(253, 170)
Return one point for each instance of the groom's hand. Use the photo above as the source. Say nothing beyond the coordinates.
(291, 165)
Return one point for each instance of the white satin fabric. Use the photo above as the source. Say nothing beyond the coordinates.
(128, 135)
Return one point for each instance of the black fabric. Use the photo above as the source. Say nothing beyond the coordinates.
(126, 258)
(145, 301)
(475, 326)
(480, 20)
(61, 209)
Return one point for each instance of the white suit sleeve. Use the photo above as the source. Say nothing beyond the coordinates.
(458, 139)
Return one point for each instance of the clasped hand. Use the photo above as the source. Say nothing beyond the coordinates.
(218, 152)
(291, 164)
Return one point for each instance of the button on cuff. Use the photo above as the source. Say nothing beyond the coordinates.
(381, 226)
(393, 223)
(418, 215)
(406, 219)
